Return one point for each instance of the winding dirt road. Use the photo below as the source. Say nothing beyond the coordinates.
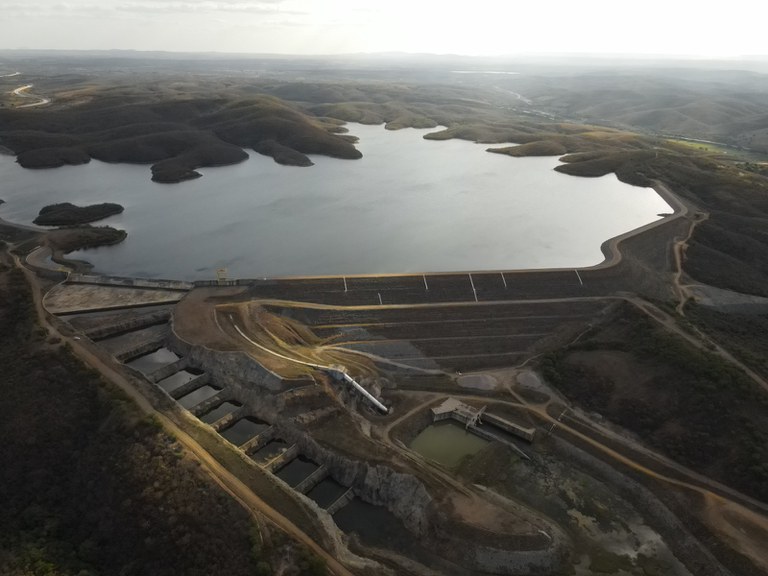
(23, 92)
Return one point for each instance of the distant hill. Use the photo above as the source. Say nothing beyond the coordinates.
(175, 135)
(726, 106)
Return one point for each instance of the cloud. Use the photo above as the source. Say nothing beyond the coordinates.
(85, 7)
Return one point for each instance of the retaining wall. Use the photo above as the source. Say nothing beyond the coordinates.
(176, 285)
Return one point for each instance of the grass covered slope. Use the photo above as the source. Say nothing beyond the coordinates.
(90, 486)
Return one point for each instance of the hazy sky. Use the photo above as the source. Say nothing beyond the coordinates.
(475, 27)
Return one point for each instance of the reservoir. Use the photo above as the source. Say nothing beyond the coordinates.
(409, 205)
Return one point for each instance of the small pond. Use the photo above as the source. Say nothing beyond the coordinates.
(447, 443)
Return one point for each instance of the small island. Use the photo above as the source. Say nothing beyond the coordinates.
(62, 241)
(67, 214)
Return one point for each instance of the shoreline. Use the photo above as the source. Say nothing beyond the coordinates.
(610, 249)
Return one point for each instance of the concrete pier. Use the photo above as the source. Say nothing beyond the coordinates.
(519, 431)
(129, 325)
(343, 500)
(230, 418)
(170, 370)
(136, 351)
(207, 405)
(312, 480)
(176, 285)
(190, 386)
(259, 440)
(290, 453)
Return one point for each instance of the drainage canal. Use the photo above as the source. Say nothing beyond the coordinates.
(327, 492)
(219, 412)
(243, 430)
(270, 451)
(177, 380)
(447, 442)
(296, 470)
(148, 363)
(200, 395)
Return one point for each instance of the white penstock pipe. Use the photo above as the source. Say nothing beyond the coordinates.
(365, 393)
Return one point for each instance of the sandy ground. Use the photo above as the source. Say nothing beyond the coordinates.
(194, 320)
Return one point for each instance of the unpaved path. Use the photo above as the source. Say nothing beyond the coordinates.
(683, 293)
(740, 526)
(700, 340)
(23, 92)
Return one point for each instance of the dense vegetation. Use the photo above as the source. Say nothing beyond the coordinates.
(176, 135)
(65, 240)
(745, 335)
(682, 401)
(89, 486)
(67, 214)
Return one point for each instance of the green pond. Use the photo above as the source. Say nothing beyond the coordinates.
(447, 443)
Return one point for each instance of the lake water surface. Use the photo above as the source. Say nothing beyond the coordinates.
(409, 205)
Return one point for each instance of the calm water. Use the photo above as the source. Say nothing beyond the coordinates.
(200, 395)
(243, 430)
(153, 361)
(327, 492)
(447, 442)
(219, 412)
(409, 205)
(296, 470)
(177, 380)
(270, 450)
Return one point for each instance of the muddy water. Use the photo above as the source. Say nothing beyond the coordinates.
(447, 443)
(200, 395)
(297, 470)
(327, 492)
(150, 362)
(270, 450)
(219, 412)
(243, 430)
(177, 380)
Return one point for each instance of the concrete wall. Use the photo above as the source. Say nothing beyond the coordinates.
(511, 427)
(130, 282)
(146, 348)
(235, 370)
(129, 325)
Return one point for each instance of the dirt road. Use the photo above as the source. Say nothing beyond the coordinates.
(23, 92)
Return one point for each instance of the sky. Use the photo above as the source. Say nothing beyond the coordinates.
(476, 27)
